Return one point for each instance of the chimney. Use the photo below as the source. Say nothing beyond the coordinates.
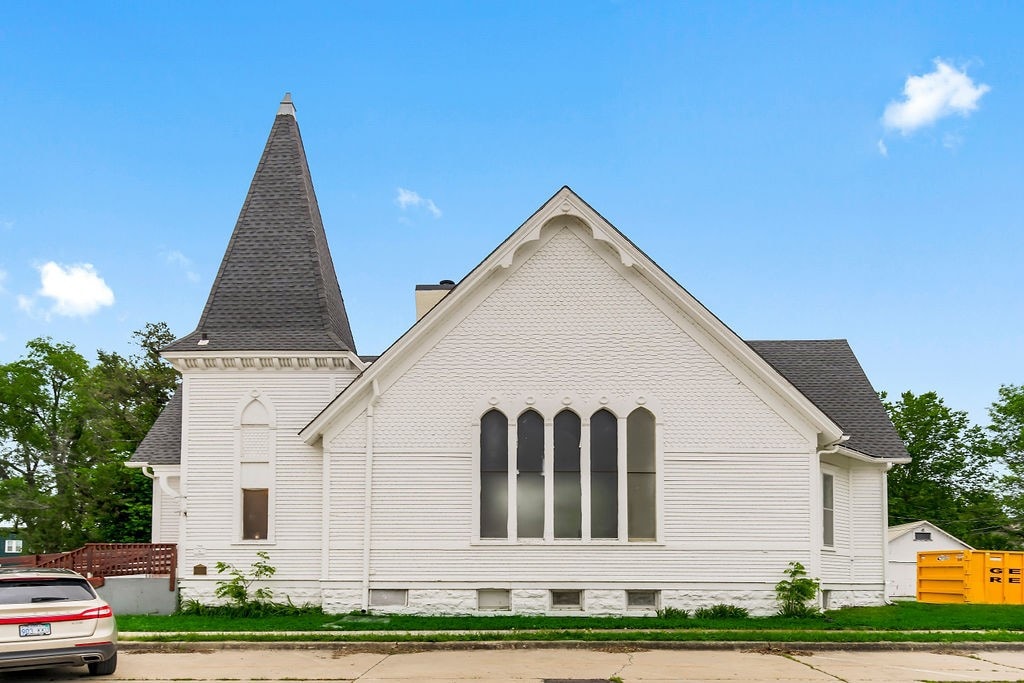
(427, 296)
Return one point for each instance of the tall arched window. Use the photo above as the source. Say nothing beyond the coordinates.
(640, 475)
(255, 471)
(604, 475)
(530, 478)
(568, 495)
(494, 475)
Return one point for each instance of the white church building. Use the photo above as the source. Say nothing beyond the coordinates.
(565, 430)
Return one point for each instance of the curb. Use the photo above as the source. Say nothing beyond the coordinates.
(406, 647)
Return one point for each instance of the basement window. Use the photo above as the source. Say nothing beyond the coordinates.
(493, 599)
(388, 597)
(642, 599)
(566, 599)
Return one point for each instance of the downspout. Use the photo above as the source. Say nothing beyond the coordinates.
(885, 534)
(368, 493)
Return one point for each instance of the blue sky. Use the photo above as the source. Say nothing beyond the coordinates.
(806, 170)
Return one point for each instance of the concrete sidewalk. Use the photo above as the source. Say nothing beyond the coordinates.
(537, 665)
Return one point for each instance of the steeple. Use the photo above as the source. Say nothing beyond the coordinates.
(276, 289)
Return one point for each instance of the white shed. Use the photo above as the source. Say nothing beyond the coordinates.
(905, 542)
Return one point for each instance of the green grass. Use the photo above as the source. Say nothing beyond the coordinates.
(843, 624)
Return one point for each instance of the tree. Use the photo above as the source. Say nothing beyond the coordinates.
(1007, 414)
(952, 480)
(65, 431)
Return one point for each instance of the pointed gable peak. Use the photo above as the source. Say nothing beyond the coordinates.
(276, 289)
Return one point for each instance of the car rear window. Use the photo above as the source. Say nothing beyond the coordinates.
(27, 591)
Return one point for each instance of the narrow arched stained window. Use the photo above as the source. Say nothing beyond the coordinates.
(568, 494)
(640, 475)
(604, 475)
(494, 475)
(530, 475)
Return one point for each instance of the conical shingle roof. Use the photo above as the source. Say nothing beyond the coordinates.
(276, 289)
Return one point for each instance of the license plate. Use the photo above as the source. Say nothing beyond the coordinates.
(28, 630)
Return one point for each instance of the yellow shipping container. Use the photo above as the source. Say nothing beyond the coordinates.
(992, 577)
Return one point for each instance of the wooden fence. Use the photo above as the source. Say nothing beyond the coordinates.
(109, 559)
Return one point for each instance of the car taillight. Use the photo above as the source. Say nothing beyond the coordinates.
(97, 613)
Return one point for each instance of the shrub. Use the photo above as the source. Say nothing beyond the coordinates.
(721, 611)
(236, 589)
(672, 613)
(795, 593)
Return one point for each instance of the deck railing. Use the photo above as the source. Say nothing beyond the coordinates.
(110, 559)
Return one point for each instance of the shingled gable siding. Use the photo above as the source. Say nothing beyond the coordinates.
(213, 523)
(737, 504)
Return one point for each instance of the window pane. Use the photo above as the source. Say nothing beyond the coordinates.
(494, 442)
(640, 502)
(388, 597)
(530, 478)
(828, 509)
(530, 442)
(568, 495)
(604, 442)
(254, 513)
(494, 475)
(530, 505)
(604, 477)
(648, 599)
(493, 505)
(566, 599)
(568, 505)
(828, 524)
(567, 442)
(640, 478)
(604, 505)
(493, 598)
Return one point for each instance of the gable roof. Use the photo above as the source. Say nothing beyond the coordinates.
(276, 289)
(827, 372)
(903, 529)
(162, 445)
(566, 204)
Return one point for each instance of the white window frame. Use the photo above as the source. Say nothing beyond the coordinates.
(584, 409)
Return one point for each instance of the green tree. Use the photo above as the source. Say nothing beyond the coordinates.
(1007, 428)
(65, 431)
(953, 480)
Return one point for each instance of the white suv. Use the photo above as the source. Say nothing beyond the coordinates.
(53, 617)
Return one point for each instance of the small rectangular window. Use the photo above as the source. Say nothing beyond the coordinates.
(12, 546)
(922, 535)
(642, 599)
(388, 597)
(828, 510)
(561, 599)
(493, 599)
(255, 505)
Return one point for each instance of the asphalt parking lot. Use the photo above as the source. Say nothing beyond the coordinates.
(549, 665)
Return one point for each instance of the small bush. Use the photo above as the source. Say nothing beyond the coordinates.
(237, 588)
(795, 593)
(672, 613)
(251, 609)
(721, 611)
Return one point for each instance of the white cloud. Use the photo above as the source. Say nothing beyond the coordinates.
(176, 258)
(3, 278)
(882, 148)
(76, 290)
(409, 198)
(926, 99)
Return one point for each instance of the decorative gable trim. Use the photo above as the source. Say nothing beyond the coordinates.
(567, 209)
(265, 362)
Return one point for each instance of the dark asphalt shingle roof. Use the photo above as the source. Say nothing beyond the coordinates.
(829, 375)
(276, 289)
(162, 445)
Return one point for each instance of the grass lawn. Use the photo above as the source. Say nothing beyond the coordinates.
(857, 624)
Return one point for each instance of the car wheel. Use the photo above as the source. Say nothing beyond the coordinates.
(103, 668)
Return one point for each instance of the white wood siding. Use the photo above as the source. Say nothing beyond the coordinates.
(214, 401)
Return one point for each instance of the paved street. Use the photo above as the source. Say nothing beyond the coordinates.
(538, 665)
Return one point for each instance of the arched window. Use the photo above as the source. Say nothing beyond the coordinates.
(530, 477)
(255, 471)
(640, 475)
(494, 475)
(568, 495)
(604, 475)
